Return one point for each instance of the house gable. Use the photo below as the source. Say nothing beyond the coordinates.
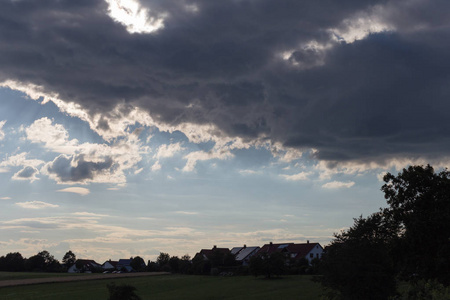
(295, 251)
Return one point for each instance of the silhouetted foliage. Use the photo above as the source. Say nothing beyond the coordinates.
(201, 266)
(357, 264)
(152, 266)
(229, 260)
(419, 201)
(185, 264)
(174, 263)
(426, 290)
(163, 259)
(217, 258)
(122, 292)
(43, 262)
(410, 238)
(267, 264)
(69, 259)
(138, 264)
(12, 262)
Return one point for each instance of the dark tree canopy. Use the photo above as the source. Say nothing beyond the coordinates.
(138, 263)
(163, 259)
(69, 258)
(267, 264)
(409, 239)
(419, 201)
(43, 261)
(174, 263)
(358, 264)
(12, 262)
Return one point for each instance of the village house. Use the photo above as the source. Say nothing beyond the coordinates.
(294, 251)
(124, 265)
(85, 266)
(210, 254)
(110, 265)
(243, 254)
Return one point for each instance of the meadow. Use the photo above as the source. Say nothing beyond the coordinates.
(31, 275)
(175, 287)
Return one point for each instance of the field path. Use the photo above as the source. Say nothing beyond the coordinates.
(16, 282)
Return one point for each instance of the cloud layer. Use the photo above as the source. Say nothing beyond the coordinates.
(319, 75)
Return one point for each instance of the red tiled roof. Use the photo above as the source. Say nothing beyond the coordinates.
(272, 248)
(209, 252)
(300, 250)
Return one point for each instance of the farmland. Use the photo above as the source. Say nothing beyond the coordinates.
(174, 287)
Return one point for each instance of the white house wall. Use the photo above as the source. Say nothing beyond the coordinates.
(316, 252)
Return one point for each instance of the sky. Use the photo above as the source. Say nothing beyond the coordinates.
(137, 127)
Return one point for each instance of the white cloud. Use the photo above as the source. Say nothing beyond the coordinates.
(194, 157)
(156, 166)
(134, 17)
(36, 205)
(186, 212)
(338, 185)
(297, 177)
(361, 25)
(88, 214)
(20, 160)
(76, 190)
(165, 151)
(54, 136)
(327, 169)
(2, 134)
(380, 176)
(5, 198)
(248, 172)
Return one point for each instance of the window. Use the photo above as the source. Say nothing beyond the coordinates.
(311, 255)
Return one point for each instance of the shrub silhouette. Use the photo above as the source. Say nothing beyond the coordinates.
(122, 292)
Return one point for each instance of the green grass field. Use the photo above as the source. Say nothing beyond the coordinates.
(30, 275)
(176, 287)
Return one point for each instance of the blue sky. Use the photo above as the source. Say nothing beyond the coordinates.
(171, 126)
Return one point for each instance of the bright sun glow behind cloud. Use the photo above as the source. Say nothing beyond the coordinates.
(136, 18)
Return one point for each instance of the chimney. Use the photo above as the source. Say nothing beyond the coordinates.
(245, 246)
(214, 247)
(307, 241)
(270, 243)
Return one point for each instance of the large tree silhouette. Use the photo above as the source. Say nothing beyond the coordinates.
(410, 238)
(419, 201)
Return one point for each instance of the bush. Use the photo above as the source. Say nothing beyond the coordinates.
(122, 292)
(426, 290)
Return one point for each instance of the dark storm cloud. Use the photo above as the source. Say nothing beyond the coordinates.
(27, 173)
(381, 97)
(77, 169)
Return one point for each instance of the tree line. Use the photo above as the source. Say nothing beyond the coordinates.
(41, 262)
